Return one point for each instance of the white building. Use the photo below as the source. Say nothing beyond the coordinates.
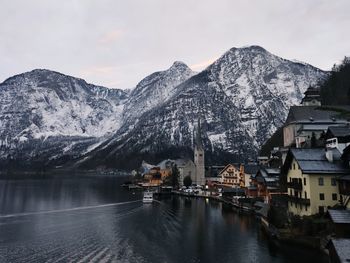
(199, 160)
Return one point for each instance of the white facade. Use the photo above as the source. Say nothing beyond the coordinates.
(199, 160)
(200, 165)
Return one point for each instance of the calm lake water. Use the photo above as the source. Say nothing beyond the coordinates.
(93, 219)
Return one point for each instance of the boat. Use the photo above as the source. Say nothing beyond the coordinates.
(147, 197)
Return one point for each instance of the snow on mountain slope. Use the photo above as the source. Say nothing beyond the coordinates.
(156, 89)
(40, 104)
(241, 99)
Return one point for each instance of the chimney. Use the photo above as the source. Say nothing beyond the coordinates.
(329, 155)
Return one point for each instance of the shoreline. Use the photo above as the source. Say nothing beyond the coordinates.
(274, 234)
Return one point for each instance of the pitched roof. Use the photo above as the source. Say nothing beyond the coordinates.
(340, 131)
(341, 246)
(226, 167)
(314, 161)
(269, 172)
(340, 216)
(315, 114)
(251, 168)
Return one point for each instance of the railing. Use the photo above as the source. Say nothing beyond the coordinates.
(299, 200)
(295, 185)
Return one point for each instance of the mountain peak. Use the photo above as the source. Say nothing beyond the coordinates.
(254, 48)
(179, 64)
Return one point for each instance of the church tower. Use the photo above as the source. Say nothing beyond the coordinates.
(199, 156)
(312, 97)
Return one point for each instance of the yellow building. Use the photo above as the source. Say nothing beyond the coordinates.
(311, 181)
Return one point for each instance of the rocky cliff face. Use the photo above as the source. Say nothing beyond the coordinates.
(241, 99)
(155, 89)
(45, 113)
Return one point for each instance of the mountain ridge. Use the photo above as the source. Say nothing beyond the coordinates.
(241, 99)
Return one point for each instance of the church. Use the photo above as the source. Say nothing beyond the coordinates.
(199, 160)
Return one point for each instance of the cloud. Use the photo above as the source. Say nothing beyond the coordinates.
(110, 37)
(202, 65)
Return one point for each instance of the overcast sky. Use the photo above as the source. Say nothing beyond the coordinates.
(116, 43)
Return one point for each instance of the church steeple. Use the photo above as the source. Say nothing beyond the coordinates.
(312, 97)
(198, 139)
(199, 155)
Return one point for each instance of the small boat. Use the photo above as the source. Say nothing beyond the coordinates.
(147, 197)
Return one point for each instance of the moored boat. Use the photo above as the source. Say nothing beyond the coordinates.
(147, 197)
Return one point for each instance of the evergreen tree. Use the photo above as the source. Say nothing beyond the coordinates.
(187, 181)
(336, 89)
(175, 176)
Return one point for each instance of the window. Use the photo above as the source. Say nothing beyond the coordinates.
(334, 197)
(305, 207)
(293, 166)
(304, 181)
(333, 182)
(321, 196)
(305, 194)
(320, 181)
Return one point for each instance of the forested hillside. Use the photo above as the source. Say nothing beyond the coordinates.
(336, 89)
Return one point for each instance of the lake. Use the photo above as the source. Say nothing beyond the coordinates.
(93, 219)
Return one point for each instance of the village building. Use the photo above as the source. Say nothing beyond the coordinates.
(186, 167)
(338, 138)
(311, 181)
(199, 158)
(305, 125)
(344, 191)
(232, 176)
(250, 170)
(212, 175)
(339, 251)
(156, 174)
(265, 184)
(153, 177)
(263, 160)
(340, 222)
(312, 97)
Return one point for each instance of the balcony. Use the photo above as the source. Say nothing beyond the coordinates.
(299, 200)
(344, 190)
(295, 185)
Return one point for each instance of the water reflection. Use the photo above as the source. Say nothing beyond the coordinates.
(175, 229)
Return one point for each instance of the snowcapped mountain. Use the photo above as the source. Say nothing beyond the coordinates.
(41, 106)
(155, 89)
(241, 99)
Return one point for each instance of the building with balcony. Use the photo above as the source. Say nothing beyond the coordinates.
(233, 176)
(312, 181)
(344, 191)
(264, 184)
